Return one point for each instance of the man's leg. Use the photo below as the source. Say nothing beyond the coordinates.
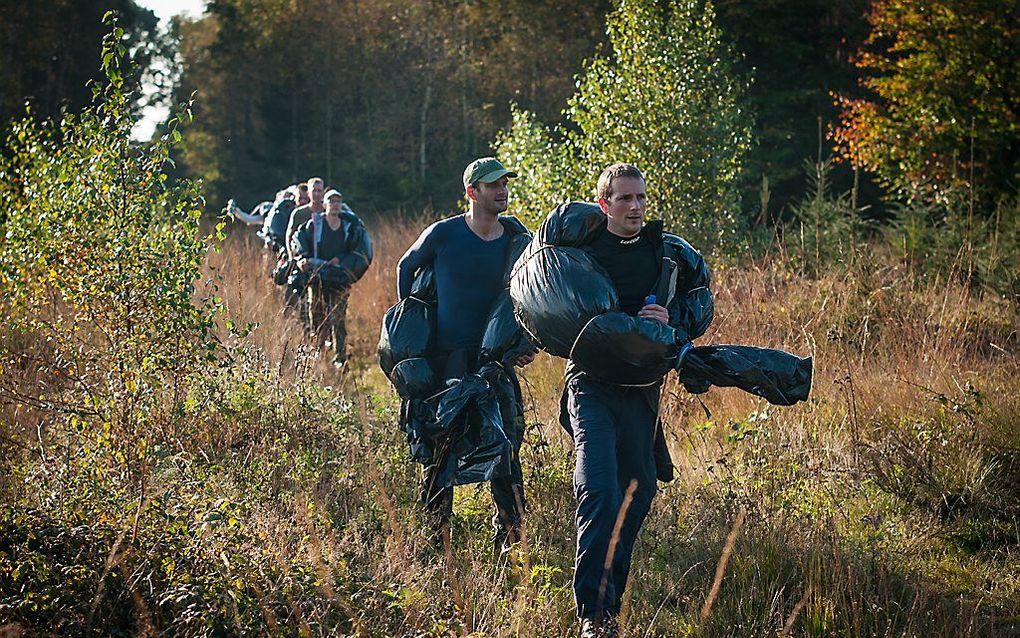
(597, 490)
(338, 324)
(635, 465)
(436, 501)
(508, 491)
(314, 310)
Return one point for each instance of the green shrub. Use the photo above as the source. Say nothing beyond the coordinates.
(667, 99)
(98, 265)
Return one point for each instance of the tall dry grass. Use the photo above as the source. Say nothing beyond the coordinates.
(285, 505)
(895, 360)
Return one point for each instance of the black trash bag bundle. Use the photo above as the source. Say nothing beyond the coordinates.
(416, 417)
(407, 333)
(618, 348)
(779, 377)
(504, 340)
(334, 277)
(571, 224)
(359, 250)
(414, 378)
(696, 313)
(556, 291)
(274, 228)
(467, 418)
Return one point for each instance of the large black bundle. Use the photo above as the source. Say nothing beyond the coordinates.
(333, 277)
(775, 375)
(414, 378)
(407, 333)
(556, 291)
(274, 229)
(571, 224)
(468, 419)
(618, 348)
(504, 339)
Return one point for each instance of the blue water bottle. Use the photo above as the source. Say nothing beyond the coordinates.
(650, 299)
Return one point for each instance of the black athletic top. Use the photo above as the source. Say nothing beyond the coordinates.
(333, 242)
(469, 277)
(632, 265)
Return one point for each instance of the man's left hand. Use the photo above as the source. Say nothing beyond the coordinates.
(654, 311)
(524, 360)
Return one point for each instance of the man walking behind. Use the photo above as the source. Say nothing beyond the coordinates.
(335, 251)
(614, 427)
(469, 255)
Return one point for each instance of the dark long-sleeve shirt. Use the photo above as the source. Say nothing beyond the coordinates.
(468, 273)
(632, 264)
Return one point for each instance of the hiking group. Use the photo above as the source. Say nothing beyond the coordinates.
(322, 248)
(478, 295)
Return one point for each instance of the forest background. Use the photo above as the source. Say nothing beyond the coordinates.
(180, 461)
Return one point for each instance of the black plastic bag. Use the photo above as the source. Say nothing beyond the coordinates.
(696, 313)
(572, 224)
(414, 378)
(556, 291)
(468, 420)
(424, 286)
(620, 349)
(333, 277)
(775, 375)
(407, 333)
(504, 339)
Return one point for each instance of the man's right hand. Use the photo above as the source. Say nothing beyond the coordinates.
(654, 311)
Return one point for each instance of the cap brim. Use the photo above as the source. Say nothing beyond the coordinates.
(488, 178)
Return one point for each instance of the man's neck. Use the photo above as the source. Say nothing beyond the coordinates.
(622, 234)
(332, 220)
(483, 223)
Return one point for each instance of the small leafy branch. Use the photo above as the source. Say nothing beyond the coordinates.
(98, 265)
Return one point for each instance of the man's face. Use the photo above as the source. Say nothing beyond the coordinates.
(333, 205)
(626, 207)
(491, 197)
(316, 190)
(302, 197)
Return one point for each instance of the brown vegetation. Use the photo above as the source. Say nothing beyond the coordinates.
(885, 505)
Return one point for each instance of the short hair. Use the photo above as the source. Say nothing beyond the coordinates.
(312, 180)
(604, 188)
(303, 186)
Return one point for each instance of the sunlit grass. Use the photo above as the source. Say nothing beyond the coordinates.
(283, 503)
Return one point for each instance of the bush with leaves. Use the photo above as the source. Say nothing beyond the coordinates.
(667, 99)
(98, 265)
(939, 105)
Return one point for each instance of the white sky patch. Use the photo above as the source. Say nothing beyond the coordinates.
(164, 10)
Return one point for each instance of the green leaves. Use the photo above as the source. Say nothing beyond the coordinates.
(665, 98)
(98, 263)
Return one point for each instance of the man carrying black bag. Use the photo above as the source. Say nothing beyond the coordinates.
(334, 251)
(470, 256)
(615, 427)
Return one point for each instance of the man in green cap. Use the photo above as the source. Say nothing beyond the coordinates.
(470, 257)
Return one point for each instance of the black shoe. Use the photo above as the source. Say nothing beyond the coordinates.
(601, 627)
(504, 538)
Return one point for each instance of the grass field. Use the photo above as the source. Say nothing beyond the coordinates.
(278, 499)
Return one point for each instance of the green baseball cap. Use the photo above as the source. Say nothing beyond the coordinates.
(485, 169)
